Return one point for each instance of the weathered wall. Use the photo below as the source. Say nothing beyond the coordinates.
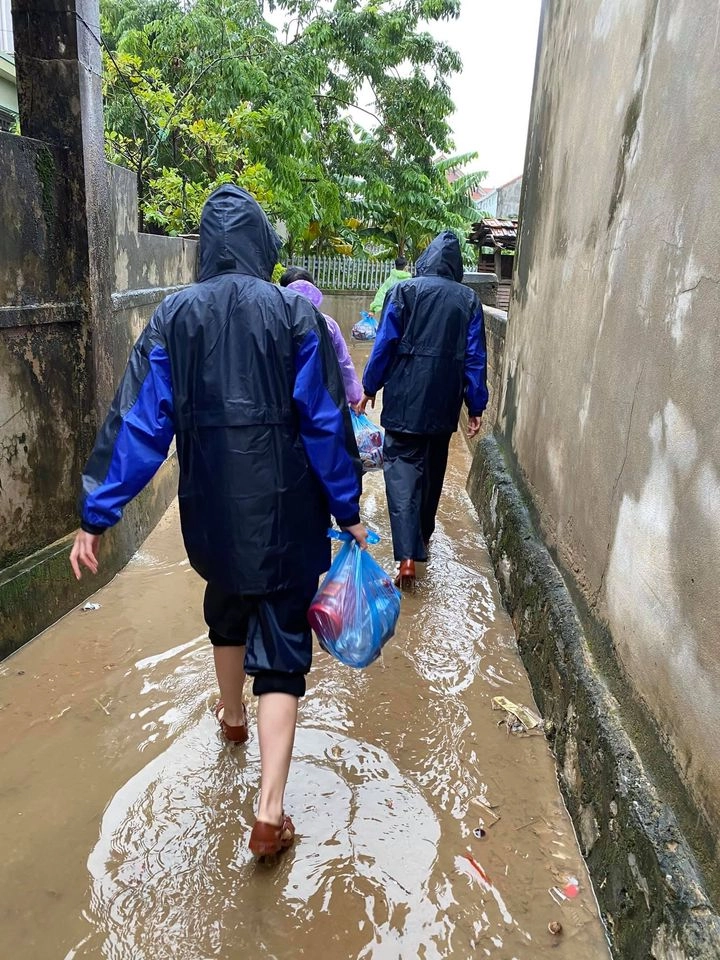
(146, 268)
(49, 386)
(609, 411)
(508, 204)
(346, 308)
(44, 384)
(495, 334)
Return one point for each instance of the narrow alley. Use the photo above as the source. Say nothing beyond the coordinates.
(136, 846)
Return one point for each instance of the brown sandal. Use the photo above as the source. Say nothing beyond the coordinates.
(237, 734)
(406, 576)
(267, 839)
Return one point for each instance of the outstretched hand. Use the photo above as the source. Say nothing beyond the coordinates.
(359, 532)
(474, 426)
(85, 551)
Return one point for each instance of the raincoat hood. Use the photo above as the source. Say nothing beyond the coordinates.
(236, 236)
(442, 258)
(307, 290)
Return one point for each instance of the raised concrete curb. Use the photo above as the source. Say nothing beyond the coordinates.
(37, 591)
(646, 879)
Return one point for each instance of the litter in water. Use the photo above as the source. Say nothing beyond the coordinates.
(488, 808)
(519, 719)
(91, 606)
(571, 888)
(555, 928)
(478, 869)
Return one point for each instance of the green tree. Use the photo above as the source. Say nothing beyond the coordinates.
(337, 115)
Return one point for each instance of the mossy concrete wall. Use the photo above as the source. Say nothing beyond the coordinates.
(77, 284)
(606, 432)
(45, 388)
(609, 412)
(649, 881)
(49, 390)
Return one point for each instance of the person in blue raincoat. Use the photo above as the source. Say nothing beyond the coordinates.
(244, 375)
(429, 356)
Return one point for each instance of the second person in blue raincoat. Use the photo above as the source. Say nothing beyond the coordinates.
(429, 356)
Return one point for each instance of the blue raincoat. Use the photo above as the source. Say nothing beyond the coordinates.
(244, 375)
(430, 352)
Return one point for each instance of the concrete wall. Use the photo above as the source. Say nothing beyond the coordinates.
(50, 387)
(44, 383)
(508, 204)
(609, 412)
(145, 269)
(346, 308)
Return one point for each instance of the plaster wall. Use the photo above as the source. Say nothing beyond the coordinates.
(43, 349)
(508, 204)
(609, 411)
(49, 385)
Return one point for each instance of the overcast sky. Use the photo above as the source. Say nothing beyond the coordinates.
(497, 40)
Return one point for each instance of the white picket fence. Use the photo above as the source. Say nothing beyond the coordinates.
(344, 273)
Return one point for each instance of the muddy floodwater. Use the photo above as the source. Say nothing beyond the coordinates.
(124, 818)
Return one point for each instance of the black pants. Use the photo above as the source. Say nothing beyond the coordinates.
(414, 473)
(274, 630)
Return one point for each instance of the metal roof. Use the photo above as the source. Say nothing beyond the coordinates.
(490, 232)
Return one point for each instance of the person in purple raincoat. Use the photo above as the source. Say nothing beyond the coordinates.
(302, 282)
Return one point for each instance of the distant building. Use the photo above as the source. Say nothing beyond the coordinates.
(6, 28)
(479, 196)
(8, 87)
(503, 203)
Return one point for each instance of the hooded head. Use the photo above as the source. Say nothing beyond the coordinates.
(307, 290)
(236, 236)
(295, 273)
(442, 258)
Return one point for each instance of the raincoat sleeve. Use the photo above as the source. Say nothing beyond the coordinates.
(476, 391)
(325, 426)
(353, 390)
(379, 300)
(384, 351)
(135, 438)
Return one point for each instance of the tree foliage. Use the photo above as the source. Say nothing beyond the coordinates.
(333, 113)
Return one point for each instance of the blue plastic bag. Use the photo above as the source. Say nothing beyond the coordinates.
(366, 328)
(356, 609)
(369, 439)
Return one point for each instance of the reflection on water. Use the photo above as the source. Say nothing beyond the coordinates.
(171, 873)
(391, 764)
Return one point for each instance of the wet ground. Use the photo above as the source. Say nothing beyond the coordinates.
(124, 818)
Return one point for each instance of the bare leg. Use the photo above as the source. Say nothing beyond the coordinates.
(230, 669)
(277, 716)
